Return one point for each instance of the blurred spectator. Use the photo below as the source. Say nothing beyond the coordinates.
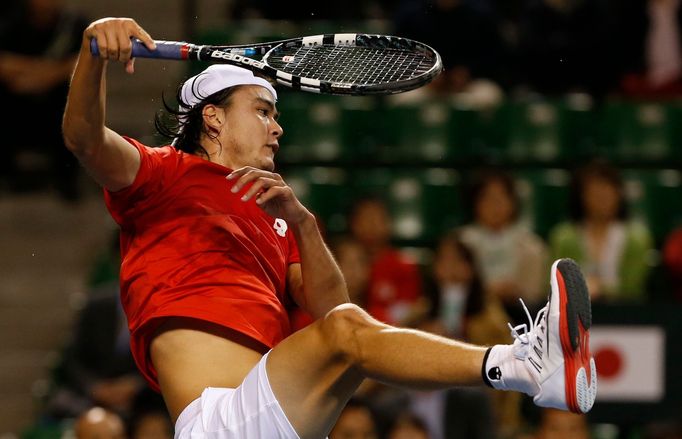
(356, 421)
(672, 261)
(458, 300)
(408, 426)
(459, 412)
(649, 50)
(99, 423)
(149, 418)
(394, 292)
(667, 429)
(560, 424)
(509, 14)
(39, 43)
(96, 366)
(563, 47)
(611, 249)
(465, 34)
(354, 264)
(461, 308)
(512, 258)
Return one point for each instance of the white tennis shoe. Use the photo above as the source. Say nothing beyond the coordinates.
(554, 349)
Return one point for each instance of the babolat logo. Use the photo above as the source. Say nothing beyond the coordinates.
(241, 59)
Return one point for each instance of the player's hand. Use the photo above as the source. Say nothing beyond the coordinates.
(271, 193)
(113, 37)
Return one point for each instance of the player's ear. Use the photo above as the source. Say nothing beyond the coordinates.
(214, 117)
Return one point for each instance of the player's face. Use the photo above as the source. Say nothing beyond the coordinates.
(251, 134)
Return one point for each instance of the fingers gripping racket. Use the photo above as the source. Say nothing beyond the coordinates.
(342, 64)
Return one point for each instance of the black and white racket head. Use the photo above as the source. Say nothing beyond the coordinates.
(353, 64)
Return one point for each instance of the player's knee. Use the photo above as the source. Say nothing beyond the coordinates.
(344, 328)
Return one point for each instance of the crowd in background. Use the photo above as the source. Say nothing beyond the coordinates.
(469, 288)
(490, 48)
(627, 47)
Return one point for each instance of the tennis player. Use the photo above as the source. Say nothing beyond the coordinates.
(214, 243)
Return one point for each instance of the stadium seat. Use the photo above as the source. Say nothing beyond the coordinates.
(654, 197)
(312, 128)
(642, 131)
(533, 131)
(416, 132)
(55, 430)
(361, 129)
(548, 130)
(424, 203)
(326, 191)
(544, 195)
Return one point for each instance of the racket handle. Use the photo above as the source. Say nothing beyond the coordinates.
(164, 50)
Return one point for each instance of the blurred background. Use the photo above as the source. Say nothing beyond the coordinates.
(554, 131)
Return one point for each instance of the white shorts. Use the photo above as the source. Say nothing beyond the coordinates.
(250, 411)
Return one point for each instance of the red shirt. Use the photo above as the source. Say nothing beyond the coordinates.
(192, 248)
(395, 285)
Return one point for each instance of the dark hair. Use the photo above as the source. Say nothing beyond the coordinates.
(357, 401)
(147, 403)
(599, 169)
(476, 298)
(364, 200)
(185, 124)
(361, 403)
(485, 177)
(410, 419)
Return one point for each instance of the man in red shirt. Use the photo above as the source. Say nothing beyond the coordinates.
(214, 242)
(394, 288)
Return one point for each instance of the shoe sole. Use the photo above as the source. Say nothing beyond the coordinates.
(574, 325)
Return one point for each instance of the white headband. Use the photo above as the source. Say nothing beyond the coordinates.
(215, 78)
(219, 77)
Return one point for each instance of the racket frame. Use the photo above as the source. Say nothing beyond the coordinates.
(243, 56)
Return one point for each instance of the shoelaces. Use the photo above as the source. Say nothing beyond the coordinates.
(524, 334)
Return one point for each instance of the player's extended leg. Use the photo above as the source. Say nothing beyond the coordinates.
(315, 371)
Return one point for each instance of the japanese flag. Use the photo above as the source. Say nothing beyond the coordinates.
(630, 362)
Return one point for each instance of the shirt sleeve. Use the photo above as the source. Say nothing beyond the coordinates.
(127, 203)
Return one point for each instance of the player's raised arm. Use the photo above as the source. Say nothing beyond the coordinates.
(109, 158)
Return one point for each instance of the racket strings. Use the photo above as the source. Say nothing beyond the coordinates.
(352, 64)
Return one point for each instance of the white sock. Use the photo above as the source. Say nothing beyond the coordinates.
(503, 371)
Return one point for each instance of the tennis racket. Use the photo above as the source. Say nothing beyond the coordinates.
(341, 64)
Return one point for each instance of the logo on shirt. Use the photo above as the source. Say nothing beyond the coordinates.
(280, 227)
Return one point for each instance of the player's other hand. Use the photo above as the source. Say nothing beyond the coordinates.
(113, 36)
(271, 193)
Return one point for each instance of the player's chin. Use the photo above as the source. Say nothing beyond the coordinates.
(267, 164)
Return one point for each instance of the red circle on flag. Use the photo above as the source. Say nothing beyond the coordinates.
(609, 362)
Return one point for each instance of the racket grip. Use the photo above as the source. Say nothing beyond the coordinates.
(164, 50)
